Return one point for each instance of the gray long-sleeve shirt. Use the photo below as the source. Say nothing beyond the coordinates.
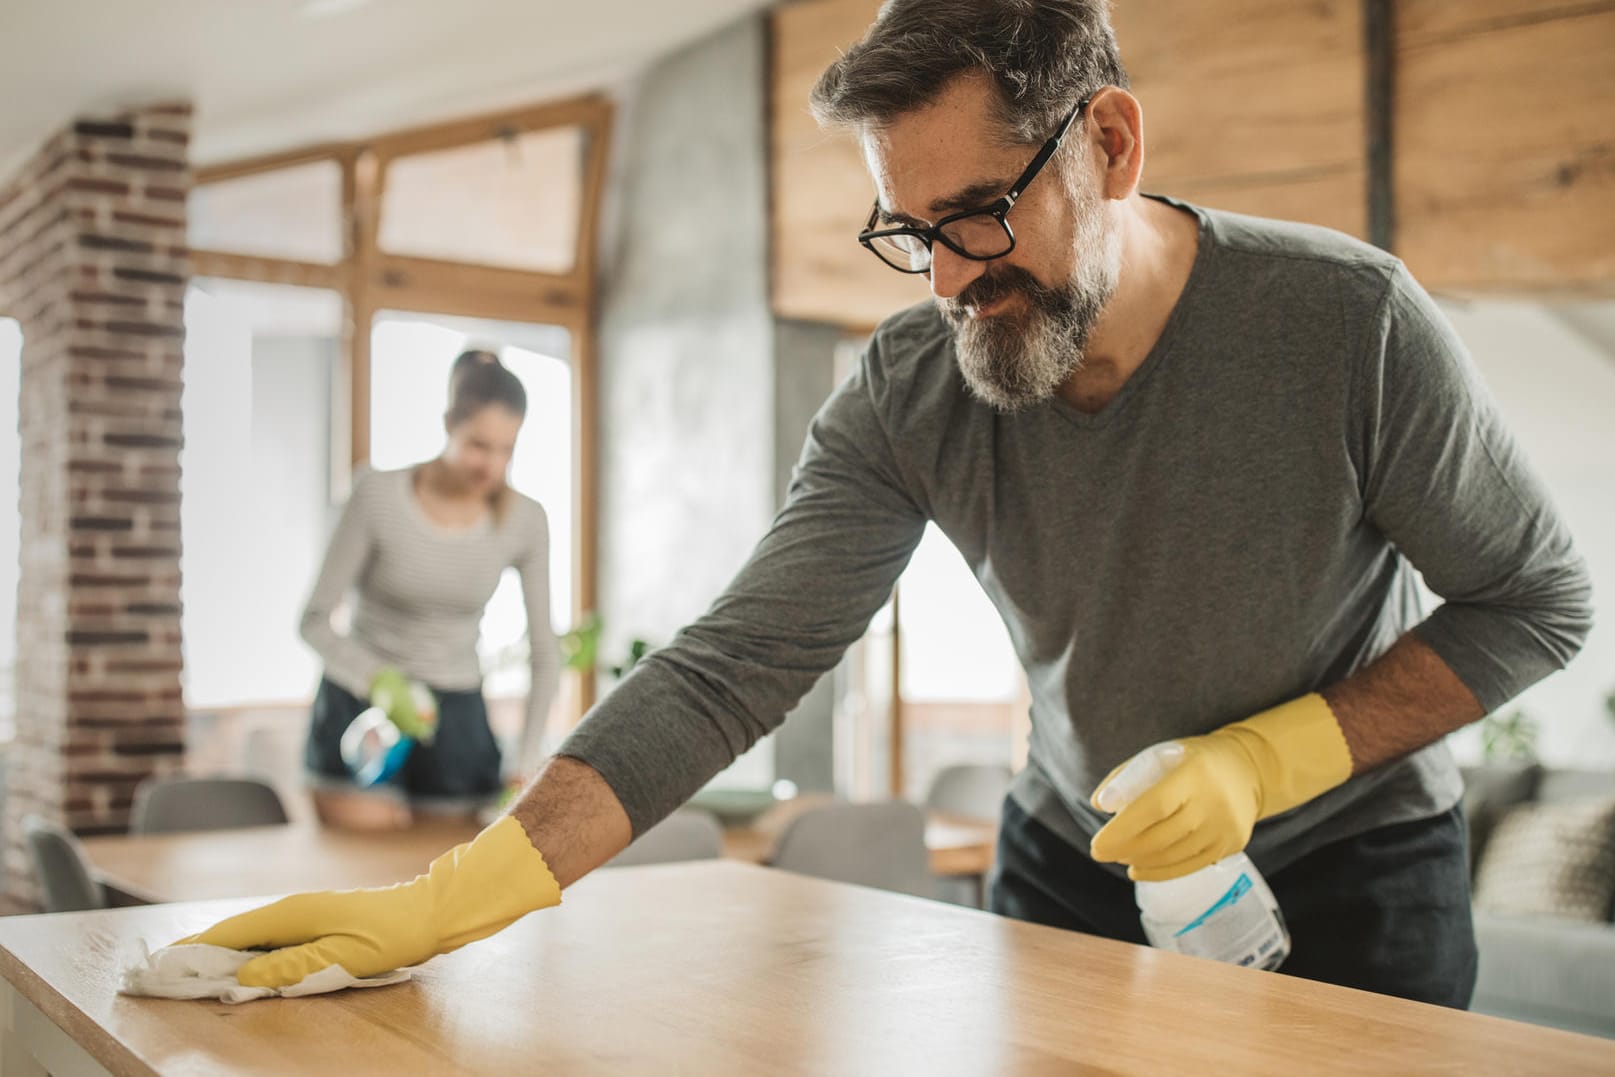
(420, 590)
(1235, 528)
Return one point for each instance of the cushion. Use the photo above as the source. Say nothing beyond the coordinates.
(1551, 859)
(1490, 791)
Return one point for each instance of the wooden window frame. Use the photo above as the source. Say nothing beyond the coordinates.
(369, 280)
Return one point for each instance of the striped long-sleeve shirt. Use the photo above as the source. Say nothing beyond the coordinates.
(419, 593)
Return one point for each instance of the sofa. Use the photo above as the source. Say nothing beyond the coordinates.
(1542, 855)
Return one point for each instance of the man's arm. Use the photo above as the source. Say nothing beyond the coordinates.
(1444, 483)
(571, 814)
(849, 525)
(1403, 700)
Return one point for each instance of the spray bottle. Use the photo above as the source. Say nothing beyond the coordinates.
(1224, 911)
(378, 741)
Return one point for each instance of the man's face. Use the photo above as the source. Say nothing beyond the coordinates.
(1021, 321)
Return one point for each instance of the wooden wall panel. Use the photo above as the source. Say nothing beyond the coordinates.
(1505, 145)
(821, 191)
(1252, 105)
(1423, 22)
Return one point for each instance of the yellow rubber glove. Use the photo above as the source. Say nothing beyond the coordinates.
(468, 893)
(1205, 808)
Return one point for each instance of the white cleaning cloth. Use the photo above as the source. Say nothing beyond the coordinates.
(197, 971)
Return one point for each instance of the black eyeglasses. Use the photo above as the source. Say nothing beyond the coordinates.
(980, 234)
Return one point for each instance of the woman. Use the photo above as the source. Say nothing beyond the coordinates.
(422, 549)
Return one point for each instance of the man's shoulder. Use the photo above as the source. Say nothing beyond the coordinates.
(1305, 254)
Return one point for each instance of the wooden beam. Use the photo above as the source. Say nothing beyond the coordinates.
(1379, 48)
(589, 111)
(586, 392)
(361, 194)
(271, 162)
(266, 270)
(428, 285)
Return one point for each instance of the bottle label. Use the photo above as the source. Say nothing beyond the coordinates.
(1238, 928)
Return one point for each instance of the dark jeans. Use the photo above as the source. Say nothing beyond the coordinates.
(461, 761)
(1385, 911)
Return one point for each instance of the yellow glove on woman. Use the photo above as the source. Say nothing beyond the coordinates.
(1205, 808)
(468, 893)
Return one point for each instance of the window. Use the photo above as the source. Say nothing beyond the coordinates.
(410, 356)
(962, 686)
(256, 508)
(512, 202)
(293, 213)
(944, 663)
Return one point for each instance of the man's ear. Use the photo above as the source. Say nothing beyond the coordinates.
(1115, 123)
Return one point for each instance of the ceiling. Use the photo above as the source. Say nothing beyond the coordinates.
(274, 74)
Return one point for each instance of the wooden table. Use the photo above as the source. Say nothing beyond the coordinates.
(204, 864)
(724, 968)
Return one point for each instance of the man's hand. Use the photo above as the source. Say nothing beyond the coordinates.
(1205, 808)
(467, 894)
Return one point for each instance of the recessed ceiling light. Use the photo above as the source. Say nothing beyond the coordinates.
(326, 9)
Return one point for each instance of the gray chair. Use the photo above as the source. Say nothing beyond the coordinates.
(970, 790)
(64, 873)
(878, 845)
(166, 805)
(687, 834)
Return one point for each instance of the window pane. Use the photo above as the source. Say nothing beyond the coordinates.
(510, 202)
(961, 680)
(291, 213)
(10, 517)
(410, 360)
(255, 484)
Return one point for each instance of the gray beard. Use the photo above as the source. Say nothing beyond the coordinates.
(1013, 361)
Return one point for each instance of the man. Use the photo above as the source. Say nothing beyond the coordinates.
(1191, 456)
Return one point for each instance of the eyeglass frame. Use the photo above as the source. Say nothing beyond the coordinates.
(999, 208)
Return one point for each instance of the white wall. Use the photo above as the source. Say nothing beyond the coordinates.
(256, 505)
(1556, 389)
(10, 516)
(686, 347)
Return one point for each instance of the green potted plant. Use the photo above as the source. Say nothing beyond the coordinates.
(1509, 737)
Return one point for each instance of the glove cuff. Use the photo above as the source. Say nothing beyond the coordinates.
(488, 883)
(1298, 749)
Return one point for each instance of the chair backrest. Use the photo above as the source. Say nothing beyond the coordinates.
(165, 805)
(64, 873)
(879, 845)
(687, 834)
(972, 790)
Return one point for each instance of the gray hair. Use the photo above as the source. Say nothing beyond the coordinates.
(1042, 55)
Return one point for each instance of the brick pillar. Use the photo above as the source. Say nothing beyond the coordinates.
(93, 265)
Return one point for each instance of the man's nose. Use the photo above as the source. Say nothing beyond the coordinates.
(952, 273)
